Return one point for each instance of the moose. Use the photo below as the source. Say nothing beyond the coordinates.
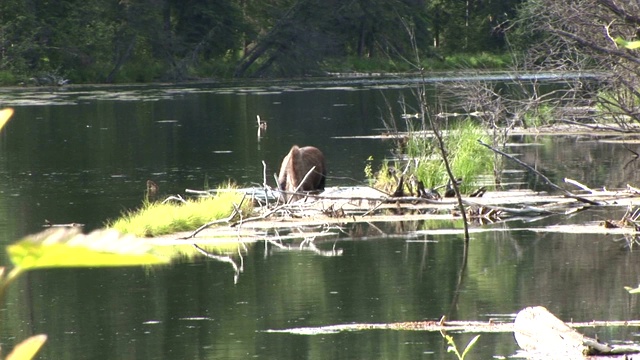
(296, 165)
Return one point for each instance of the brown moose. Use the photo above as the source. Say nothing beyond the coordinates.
(295, 166)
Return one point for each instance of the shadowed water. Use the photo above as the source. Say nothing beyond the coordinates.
(84, 155)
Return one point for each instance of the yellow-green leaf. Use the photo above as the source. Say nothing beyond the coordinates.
(620, 41)
(63, 247)
(27, 349)
(627, 44)
(5, 115)
(633, 45)
(632, 290)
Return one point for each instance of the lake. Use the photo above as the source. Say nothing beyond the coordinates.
(84, 155)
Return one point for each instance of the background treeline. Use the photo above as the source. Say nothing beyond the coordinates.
(158, 40)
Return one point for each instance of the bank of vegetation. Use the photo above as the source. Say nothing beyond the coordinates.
(174, 215)
(43, 42)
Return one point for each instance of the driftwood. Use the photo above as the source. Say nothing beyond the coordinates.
(539, 333)
(342, 205)
(543, 336)
(338, 206)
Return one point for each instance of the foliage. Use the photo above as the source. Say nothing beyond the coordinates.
(98, 41)
(560, 36)
(352, 63)
(61, 247)
(5, 115)
(368, 170)
(632, 290)
(28, 348)
(155, 219)
(481, 60)
(542, 115)
(383, 179)
(68, 247)
(468, 159)
(454, 349)
(627, 44)
(7, 78)
(381, 63)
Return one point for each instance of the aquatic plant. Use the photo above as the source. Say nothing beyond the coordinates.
(154, 218)
(454, 349)
(468, 159)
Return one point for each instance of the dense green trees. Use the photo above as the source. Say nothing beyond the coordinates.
(147, 40)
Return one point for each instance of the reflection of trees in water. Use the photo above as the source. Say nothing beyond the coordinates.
(593, 162)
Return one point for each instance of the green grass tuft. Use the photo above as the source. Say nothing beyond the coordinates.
(155, 219)
(467, 158)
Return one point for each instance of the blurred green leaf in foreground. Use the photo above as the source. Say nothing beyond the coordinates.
(68, 247)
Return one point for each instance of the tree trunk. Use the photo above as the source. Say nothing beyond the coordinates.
(544, 336)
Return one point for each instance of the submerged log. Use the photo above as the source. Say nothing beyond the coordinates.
(543, 336)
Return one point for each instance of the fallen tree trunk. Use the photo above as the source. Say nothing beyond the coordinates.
(544, 336)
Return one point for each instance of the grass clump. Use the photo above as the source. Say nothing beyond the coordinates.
(155, 219)
(541, 115)
(467, 158)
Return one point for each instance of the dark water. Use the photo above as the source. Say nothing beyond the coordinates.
(84, 155)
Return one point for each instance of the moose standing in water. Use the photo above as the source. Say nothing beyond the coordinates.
(295, 166)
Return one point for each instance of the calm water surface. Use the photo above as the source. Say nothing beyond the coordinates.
(84, 155)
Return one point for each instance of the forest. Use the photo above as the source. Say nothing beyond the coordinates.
(95, 41)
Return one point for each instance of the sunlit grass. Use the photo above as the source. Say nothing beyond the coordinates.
(468, 159)
(155, 219)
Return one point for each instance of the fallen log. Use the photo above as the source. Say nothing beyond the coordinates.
(543, 336)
